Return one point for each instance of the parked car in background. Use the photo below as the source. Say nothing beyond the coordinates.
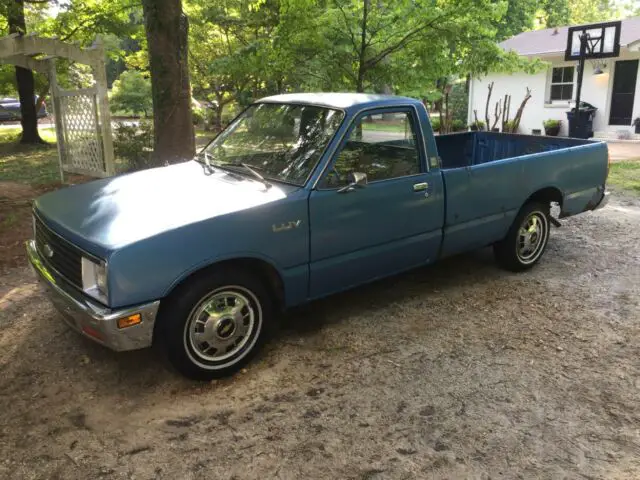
(10, 109)
(302, 196)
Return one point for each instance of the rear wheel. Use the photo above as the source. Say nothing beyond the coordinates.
(526, 240)
(215, 323)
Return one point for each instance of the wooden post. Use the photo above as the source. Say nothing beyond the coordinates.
(57, 115)
(100, 74)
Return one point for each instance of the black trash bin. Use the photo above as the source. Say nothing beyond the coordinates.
(581, 126)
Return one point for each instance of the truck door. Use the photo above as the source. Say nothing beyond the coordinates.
(386, 224)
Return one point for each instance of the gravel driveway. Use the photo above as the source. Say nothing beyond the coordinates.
(455, 371)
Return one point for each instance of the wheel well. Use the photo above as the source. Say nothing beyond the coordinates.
(266, 272)
(546, 195)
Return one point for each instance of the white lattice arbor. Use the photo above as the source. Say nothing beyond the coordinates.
(82, 118)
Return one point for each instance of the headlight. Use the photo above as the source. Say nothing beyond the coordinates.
(94, 279)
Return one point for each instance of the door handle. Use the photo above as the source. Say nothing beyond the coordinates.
(420, 187)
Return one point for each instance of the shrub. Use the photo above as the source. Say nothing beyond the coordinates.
(198, 115)
(459, 102)
(458, 125)
(435, 124)
(131, 93)
(551, 123)
(134, 145)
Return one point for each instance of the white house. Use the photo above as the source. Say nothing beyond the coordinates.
(611, 84)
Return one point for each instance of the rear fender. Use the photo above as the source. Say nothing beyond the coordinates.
(583, 201)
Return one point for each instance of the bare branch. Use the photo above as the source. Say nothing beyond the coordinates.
(497, 115)
(516, 119)
(475, 115)
(486, 108)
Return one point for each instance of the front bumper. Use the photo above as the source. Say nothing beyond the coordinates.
(91, 319)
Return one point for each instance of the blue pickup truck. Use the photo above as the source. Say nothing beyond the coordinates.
(301, 196)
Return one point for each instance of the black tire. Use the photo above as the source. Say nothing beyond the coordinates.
(180, 325)
(509, 251)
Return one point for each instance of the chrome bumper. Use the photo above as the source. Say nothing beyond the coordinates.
(91, 319)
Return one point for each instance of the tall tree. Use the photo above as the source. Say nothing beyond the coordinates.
(167, 38)
(375, 45)
(24, 78)
(519, 17)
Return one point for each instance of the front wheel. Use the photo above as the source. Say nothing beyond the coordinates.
(215, 323)
(526, 240)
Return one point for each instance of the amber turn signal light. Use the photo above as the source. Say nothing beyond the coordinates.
(129, 321)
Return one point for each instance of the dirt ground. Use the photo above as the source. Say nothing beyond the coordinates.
(621, 151)
(454, 371)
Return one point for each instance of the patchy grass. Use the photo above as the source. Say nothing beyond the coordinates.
(626, 176)
(384, 127)
(9, 220)
(204, 133)
(203, 137)
(31, 164)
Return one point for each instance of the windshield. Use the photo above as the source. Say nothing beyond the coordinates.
(282, 142)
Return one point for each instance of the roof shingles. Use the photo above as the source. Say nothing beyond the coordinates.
(554, 40)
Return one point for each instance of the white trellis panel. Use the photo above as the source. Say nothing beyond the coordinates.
(83, 152)
(83, 121)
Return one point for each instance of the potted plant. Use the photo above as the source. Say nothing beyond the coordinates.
(511, 126)
(477, 126)
(636, 123)
(551, 127)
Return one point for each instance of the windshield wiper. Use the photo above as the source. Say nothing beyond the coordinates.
(253, 172)
(207, 162)
(230, 167)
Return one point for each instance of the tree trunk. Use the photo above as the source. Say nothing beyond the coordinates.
(363, 48)
(24, 80)
(167, 30)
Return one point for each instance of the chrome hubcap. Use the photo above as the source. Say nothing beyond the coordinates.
(531, 237)
(221, 325)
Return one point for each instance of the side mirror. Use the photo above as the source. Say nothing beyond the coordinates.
(356, 180)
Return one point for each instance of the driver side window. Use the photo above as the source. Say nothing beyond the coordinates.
(380, 145)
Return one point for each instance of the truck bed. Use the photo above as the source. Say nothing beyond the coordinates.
(489, 176)
(475, 148)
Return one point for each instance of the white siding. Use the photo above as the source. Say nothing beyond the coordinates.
(595, 90)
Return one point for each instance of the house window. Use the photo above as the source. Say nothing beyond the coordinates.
(562, 83)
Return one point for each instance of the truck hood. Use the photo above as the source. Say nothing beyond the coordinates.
(114, 212)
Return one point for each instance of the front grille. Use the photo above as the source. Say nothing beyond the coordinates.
(66, 257)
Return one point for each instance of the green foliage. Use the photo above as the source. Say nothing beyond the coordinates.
(511, 126)
(551, 123)
(198, 115)
(435, 124)
(458, 126)
(459, 102)
(555, 13)
(133, 144)
(131, 93)
(241, 50)
(592, 11)
(8, 81)
(519, 17)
